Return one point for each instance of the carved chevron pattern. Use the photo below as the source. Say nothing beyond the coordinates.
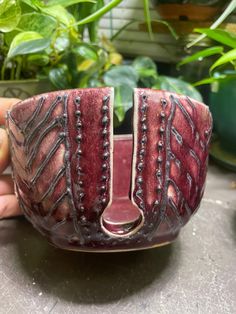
(28, 169)
(176, 185)
(62, 188)
(178, 201)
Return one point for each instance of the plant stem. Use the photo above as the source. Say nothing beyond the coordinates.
(3, 71)
(12, 71)
(172, 31)
(148, 18)
(230, 8)
(96, 15)
(18, 68)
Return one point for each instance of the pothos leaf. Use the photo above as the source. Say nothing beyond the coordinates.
(177, 86)
(26, 43)
(10, 13)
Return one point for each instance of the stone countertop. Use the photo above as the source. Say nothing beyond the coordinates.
(196, 274)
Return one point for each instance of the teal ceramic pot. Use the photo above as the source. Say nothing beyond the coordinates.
(223, 107)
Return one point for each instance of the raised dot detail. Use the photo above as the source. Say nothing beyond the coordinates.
(78, 113)
(105, 120)
(140, 180)
(105, 108)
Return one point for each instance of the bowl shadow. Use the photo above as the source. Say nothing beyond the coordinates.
(234, 226)
(91, 278)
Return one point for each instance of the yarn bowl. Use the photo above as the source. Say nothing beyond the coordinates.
(86, 189)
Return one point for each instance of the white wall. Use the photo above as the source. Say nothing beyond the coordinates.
(132, 41)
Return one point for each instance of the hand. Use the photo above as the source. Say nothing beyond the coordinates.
(8, 202)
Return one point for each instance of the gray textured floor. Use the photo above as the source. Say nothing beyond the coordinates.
(196, 274)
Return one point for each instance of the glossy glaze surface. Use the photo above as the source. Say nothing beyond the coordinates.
(80, 195)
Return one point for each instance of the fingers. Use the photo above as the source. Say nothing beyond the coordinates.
(6, 185)
(5, 104)
(9, 206)
(4, 150)
(8, 202)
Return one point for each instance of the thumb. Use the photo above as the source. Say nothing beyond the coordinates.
(6, 104)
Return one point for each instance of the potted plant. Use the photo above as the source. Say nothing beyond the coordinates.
(222, 96)
(39, 36)
(140, 72)
(194, 10)
(185, 16)
(65, 58)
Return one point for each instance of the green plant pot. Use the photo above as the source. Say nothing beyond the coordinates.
(223, 107)
(24, 88)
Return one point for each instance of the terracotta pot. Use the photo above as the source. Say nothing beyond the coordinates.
(86, 190)
(189, 10)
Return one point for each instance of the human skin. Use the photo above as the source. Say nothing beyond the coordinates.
(8, 202)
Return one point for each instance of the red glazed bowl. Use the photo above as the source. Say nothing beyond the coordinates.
(87, 190)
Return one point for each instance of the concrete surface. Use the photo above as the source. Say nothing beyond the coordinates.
(196, 274)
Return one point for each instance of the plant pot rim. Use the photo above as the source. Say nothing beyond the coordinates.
(3, 82)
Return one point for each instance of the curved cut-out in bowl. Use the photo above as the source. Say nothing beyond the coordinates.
(122, 218)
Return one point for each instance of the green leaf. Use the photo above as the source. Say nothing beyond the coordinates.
(201, 54)
(62, 42)
(96, 69)
(59, 13)
(34, 4)
(209, 80)
(37, 22)
(85, 51)
(123, 101)
(38, 59)
(142, 64)
(124, 78)
(225, 13)
(66, 3)
(170, 28)
(96, 15)
(121, 75)
(220, 35)
(59, 77)
(177, 86)
(10, 13)
(8, 37)
(168, 25)
(123, 28)
(26, 43)
(226, 58)
(147, 71)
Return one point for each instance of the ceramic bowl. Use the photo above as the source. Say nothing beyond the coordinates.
(88, 190)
